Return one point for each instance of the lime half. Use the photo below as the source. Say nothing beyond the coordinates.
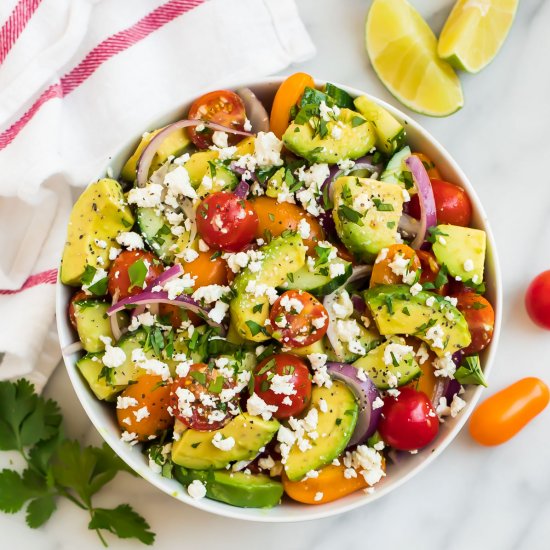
(475, 31)
(403, 51)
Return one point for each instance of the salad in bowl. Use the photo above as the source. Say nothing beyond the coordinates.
(278, 306)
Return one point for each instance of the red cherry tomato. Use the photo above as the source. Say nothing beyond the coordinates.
(298, 319)
(119, 277)
(226, 222)
(222, 107)
(78, 296)
(452, 204)
(430, 269)
(196, 413)
(480, 316)
(537, 300)
(275, 391)
(408, 421)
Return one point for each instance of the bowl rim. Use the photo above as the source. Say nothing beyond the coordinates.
(332, 508)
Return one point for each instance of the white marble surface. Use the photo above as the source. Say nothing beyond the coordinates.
(471, 497)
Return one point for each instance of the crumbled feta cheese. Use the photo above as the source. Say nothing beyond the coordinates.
(178, 183)
(328, 113)
(196, 489)
(129, 437)
(236, 261)
(291, 305)
(267, 150)
(468, 265)
(189, 255)
(130, 239)
(342, 306)
(210, 293)
(422, 354)
(100, 243)
(430, 301)
(362, 203)
(281, 384)
(436, 334)
(221, 443)
(319, 322)
(452, 300)
(247, 126)
(218, 312)
(256, 406)
(304, 229)
(219, 139)
(336, 270)
(321, 376)
(177, 286)
(400, 266)
(113, 356)
(114, 252)
(142, 413)
(445, 366)
(125, 402)
(396, 351)
(378, 403)
(146, 197)
(415, 289)
(346, 164)
(457, 405)
(203, 247)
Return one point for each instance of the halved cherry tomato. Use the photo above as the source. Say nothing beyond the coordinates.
(433, 172)
(119, 277)
(427, 381)
(294, 394)
(226, 222)
(331, 483)
(222, 107)
(408, 421)
(537, 300)
(452, 204)
(504, 414)
(298, 319)
(274, 218)
(383, 274)
(207, 269)
(78, 296)
(480, 316)
(430, 270)
(288, 94)
(175, 316)
(153, 396)
(201, 381)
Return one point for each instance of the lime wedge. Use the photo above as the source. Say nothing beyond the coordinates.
(475, 31)
(403, 51)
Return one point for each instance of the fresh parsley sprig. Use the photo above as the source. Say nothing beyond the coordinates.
(57, 467)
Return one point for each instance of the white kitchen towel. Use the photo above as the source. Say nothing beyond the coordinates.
(79, 79)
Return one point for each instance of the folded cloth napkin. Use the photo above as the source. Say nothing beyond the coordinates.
(80, 79)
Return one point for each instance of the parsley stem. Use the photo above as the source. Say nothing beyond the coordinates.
(103, 541)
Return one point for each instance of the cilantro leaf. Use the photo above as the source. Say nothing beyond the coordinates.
(349, 214)
(255, 328)
(40, 510)
(124, 522)
(13, 491)
(470, 372)
(137, 273)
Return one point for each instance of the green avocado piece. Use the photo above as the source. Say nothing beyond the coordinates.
(90, 366)
(250, 308)
(235, 488)
(334, 428)
(195, 450)
(366, 214)
(98, 216)
(462, 250)
(92, 323)
(349, 136)
(396, 311)
(404, 368)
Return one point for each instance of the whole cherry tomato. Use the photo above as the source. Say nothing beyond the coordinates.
(480, 316)
(119, 275)
(537, 300)
(226, 222)
(408, 421)
(298, 319)
(388, 266)
(283, 380)
(504, 414)
(222, 107)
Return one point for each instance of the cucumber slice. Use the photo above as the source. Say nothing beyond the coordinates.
(157, 234)
(319, 282)
(223, 179)
(90, 366)
(396, 169)
(128, 372)
(92, 322)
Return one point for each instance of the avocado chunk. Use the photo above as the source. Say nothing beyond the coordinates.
(462, 250)
(235, 488)
(250, 307)
(91, 367)
(92, 323)
(366, 214)
(195, 450)
(390, 365)
(98, 216)
(426, 315)
(390, 134)
(198, 164)
(334, 428)
(348, 136)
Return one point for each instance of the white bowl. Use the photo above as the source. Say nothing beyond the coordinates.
(103, 417)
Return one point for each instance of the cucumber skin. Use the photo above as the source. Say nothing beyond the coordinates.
(315, 286)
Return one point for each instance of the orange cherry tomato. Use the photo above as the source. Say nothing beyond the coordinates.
(288, 94)
(151, 393)
(175, 315)
(504, 414)
(480, 316)
(207, 270)
(433, 172)
(274, 218)
(427, 380)
(330, 483)
(430, 270)
(382, 273)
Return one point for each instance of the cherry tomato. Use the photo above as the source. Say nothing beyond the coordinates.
(119, 277)
(383, 274)
(295, 373)
(408, 421)
(78, 296)
(200, 381)
(480, 316)
(222, 107)
(504, 414)
(537, 300)
(175, 316)
(430, 270)
(433, 172)
(226, 222)
(207, 270)
(152, 395)
(288, 94)
(274, 218)
(298, 319)
(452, 204)
(427, 381)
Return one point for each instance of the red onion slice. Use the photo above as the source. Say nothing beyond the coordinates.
(146, 158)
(255, 111)
(359, 272)
(113, 320)
(428, 217)
(167, 275)
(359, 304)
(366, 392)
(242, 190)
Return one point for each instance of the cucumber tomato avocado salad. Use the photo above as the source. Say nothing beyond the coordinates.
(278, 303)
